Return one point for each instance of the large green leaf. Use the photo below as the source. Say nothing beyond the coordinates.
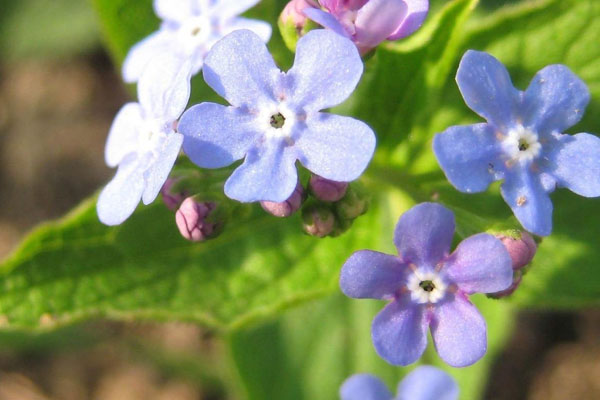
(309, 352)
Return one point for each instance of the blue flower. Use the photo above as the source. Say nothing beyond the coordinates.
(189, 30)
(522, 142)
(423, 383)
(275, 119)
(142, 141)
(428, 287)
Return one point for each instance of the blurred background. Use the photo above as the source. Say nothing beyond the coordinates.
(59, 92)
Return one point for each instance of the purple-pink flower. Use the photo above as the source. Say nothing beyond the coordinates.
(428, 287)
(370, 22)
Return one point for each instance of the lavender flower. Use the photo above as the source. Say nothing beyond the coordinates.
(189, 30)
(142, 141)
(521, 143)
(274, 119)
(428, 287)
(423, 383)
(369, 22)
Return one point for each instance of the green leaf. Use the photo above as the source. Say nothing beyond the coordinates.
(309, 352)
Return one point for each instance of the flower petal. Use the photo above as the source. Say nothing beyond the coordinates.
(370, 274)
(468, 154)
(216, 136)
(377, 20)
(226, 9)
(487, 89)
(175, 10)
(399, 332)
(555, 100)
(158, 172)
(164, 88)
(364, 387)
(326, 70)
(240, 68)
(524, 193)
(428, 383)
(261, 28)
(458, 331)
(575, 163)
(268, 174)
(415, 16)
(480, 264)
(326, 20)
(122, 194)
(159, 43)
(424, 233)
(335, 147)
(123, 135)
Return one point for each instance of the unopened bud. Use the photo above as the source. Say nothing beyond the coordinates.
(194, 220)
(318, 220)
(171, 198)
(517, 278)
(354, 204)
(293, 24)
(326, 190)
(521, 248)
(288, 207)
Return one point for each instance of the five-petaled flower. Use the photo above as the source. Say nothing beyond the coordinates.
(142, 140)
(189, 30)
(369, 22)
(423, 383)
(522, 141)
(275, 119)
(428, 287)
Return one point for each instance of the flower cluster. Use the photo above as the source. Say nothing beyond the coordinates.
(276, 129)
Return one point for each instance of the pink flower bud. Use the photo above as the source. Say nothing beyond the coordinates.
(171, 198)
(318, 221)
(293, 12)
(288, 207)
(326, 190)
(191, 220)
(521, 248)
(517, 278)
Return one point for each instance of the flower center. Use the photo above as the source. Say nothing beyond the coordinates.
(194, 32)
(277, 121)
(522, 144)
(151, 136)
(426, 287)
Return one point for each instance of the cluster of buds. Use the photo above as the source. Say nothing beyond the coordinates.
(366, 22)
(521, 248)
(333, 207)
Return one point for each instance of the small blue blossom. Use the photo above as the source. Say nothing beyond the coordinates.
(429, 287)
(522, 142)
(188, 31)
(275, 119)
(423, 383)
(142, 141)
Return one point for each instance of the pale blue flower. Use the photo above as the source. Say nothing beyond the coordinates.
(428, 287)
(188, 31)
(423, 383)
(142, 141)
(522, 142)
(274, 119)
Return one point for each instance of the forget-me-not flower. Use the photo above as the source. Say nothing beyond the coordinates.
(522, 142)
(275, 119)
(188, 31)
(369, 22)
(142, 141)
(423, 383)
(428, 287)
